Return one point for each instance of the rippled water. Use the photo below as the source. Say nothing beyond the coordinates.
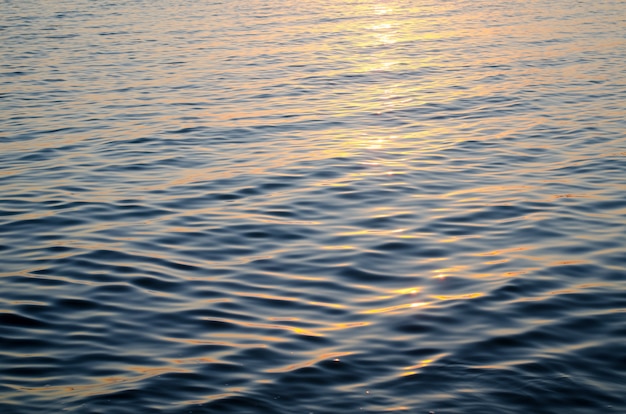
(313, 206)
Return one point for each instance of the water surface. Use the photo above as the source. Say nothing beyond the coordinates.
(313, 207)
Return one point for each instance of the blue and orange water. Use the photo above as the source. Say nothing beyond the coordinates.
(293, 207)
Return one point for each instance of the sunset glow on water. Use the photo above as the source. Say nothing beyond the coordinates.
(312, 207)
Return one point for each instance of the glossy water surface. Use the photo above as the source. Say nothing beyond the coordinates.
(313, 206)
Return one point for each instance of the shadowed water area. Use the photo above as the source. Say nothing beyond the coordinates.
(318, 206)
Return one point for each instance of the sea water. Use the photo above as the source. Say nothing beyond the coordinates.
(348, 206)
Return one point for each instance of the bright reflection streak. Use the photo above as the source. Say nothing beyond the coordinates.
(458, 297)
(335, 357)
(381, 26)
(413, 369)
(408, 291)
(418, 298)
(389, 309)
(381, 9)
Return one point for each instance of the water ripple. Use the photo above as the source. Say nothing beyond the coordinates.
(305, 207)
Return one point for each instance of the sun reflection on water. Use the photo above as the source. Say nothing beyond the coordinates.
(414, 369)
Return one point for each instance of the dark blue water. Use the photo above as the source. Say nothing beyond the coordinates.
(312, 207)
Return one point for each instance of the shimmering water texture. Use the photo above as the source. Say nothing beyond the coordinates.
(318, 206)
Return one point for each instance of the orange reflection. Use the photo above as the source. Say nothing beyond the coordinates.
(415, 301)
(389, 309)
(451, 269)
(335, 357)
(293, 329)
(408, 291)
(348, 325)
(457, 297)
(414, 369)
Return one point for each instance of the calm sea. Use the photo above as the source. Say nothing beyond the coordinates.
(323, 206)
